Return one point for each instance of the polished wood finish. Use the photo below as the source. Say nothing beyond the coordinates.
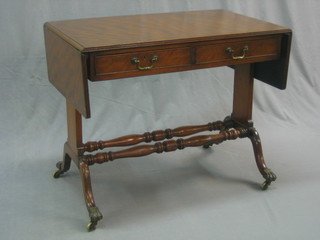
(120, 63)
(67, 71)
(268, 175)
(259, 49)
(93, 210)
(108, 65)
(120, 32)
(74, 125)
(278, 69)
(73, 150)
(166, 146)
(243, 94)
(147, 137)
(73, 145)
(105, 47)
(128, 46)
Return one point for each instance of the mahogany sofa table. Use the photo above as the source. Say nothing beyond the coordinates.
(128, 46)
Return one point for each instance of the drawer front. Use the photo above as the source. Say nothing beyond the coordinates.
(249, 50)
(145, 61)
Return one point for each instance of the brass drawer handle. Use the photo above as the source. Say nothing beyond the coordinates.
(244, 51)
(136, 61)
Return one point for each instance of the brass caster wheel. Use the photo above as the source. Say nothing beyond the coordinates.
(56, 174)
(91, 226)
(270, 177)
(264, 186)
(95, 217)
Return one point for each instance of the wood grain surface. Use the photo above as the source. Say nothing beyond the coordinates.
(67, 71)
(118, 32)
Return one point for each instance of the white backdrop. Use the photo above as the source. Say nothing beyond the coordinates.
(193, 194)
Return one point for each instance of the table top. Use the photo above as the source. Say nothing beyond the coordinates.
(120, 32)
(125, 46)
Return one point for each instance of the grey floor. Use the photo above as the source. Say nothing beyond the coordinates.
(190, 194)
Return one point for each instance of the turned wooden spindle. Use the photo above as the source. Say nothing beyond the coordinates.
(166, 146)
(147, 137)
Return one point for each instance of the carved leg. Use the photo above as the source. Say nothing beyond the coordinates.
(63, 165)
(93, 210)
(73, 151)
(267, 174)
(242, 115)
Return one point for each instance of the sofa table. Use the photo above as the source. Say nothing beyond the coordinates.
(110, 48)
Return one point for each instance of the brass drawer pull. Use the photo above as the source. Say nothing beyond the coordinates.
(136, 61)
(244, 51)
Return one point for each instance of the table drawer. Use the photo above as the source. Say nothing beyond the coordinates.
(145, 61)
(248, 50)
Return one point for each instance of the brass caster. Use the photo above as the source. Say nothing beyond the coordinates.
(264, 186)
(56, 174)
(91, 226)
(95, 216)
(270, 177)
